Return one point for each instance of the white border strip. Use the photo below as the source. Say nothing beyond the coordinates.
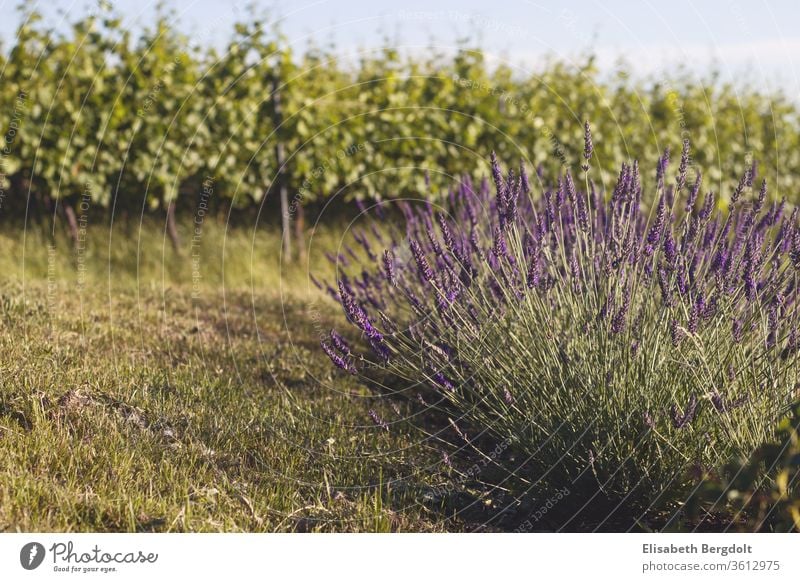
(402, 557)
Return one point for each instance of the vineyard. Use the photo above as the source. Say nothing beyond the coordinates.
(96, 119)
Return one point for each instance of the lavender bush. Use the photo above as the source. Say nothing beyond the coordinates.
(615, 338)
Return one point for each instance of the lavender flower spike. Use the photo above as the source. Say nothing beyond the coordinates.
(377, 420)
(497, 176)
(339, 361)
(588, 146)
(682, 420)
(443, 381)
(340, 343)
(388, 266)
(523, 177)
(425, 271)
(654, 236)
(681, 179)
(499, 247)
(354, 312)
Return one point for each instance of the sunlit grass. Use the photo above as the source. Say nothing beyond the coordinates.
(139, 401)
(126, 256)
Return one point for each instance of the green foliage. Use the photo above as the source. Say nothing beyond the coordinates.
(143, 119)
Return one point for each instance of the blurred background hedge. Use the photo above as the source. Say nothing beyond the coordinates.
(99, 119)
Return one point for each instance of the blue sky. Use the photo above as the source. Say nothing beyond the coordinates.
(755, 40)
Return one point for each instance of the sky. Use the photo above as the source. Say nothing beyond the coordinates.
(757, 41)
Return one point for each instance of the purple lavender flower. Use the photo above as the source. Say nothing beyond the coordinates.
(648, 420)
(716, 401)
(658, 225)
(693, 192)
(549, 209)
(738, 330)
(694, 316)
(721, 406)
(583, 216)
(362, 240)
(575, 271)
(772, 325)
(676, 333)
(534, 271)
(710, 309)
(681, 279)
(744, 182)
(681, 420)
(376, 341)
(337, 259)
(475, 242)
(512, 198)
(444, 382)
(424, 268)
(338, 360)
(661, 167)
(794, 253)
(499, 247)
(388, 266)
(710, 234)
(354, 312)
(684, 165)
(621, 316)
(569, 188)
(523, 177)
(447, 234)
(316, 282)
(708, 207)
(670, 251)
(356, 315)
(339, 343)
(588, 146)
(777, 212)
(561, 194)
(762, 196)
(500, 185)
(663, 283)
(377, 420)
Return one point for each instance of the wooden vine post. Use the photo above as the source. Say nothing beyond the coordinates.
(280, 159)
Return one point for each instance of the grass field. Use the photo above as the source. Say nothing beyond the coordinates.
(136, 397)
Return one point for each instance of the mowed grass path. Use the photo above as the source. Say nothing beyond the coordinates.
(164, 413)
(127, 404)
